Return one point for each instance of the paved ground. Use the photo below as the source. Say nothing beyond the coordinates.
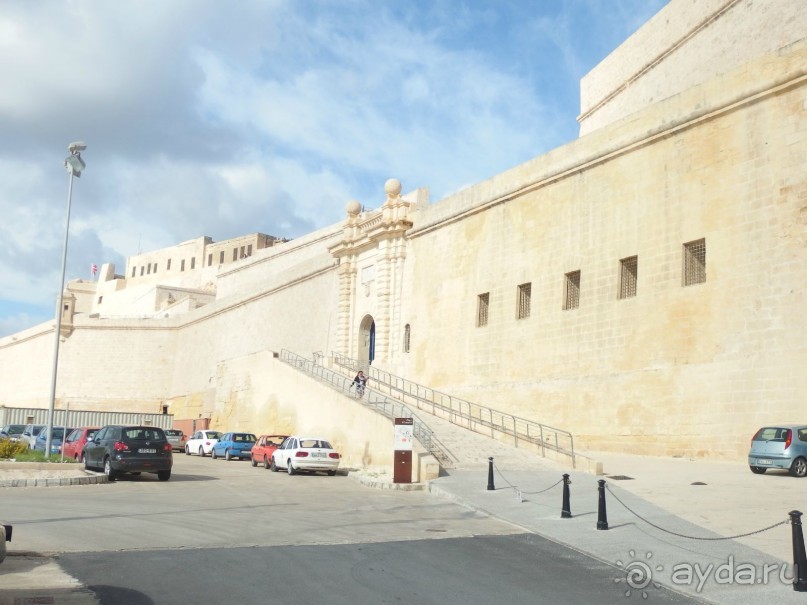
(668, 520)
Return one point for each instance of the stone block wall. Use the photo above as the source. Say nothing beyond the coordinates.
(666, 370)
(687, 43)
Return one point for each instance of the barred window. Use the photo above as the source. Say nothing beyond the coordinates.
(407, 334)
(221, 257)
(524, 294)
(628, 276)
(210, 259)
(193, 262)
(483, 302)
(694, 269)
(571, 295)
(134, 271)
(168, 267)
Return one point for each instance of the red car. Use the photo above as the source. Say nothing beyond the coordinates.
(263, 448)
(76, 441)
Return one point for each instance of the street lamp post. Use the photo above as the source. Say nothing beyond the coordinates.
(74, 165)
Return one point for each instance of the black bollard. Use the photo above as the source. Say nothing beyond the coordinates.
(602, 516)
(799, 557)
(566, 509)
(490, 474)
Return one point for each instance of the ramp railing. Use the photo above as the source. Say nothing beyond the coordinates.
(475, 417)
(373, 399)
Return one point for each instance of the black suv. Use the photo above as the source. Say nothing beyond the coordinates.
(130, 449)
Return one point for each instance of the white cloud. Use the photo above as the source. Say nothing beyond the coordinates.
(219, 119)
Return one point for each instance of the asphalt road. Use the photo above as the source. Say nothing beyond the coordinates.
(224, 532)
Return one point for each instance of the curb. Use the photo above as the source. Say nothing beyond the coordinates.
(55, 481)
(376, 483)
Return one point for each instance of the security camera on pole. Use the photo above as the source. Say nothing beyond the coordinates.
(74, 165)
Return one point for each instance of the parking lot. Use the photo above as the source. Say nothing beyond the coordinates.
(215, 503)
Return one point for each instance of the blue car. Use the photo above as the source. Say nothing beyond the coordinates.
(234, 445)
(57, 437)
(783, 446)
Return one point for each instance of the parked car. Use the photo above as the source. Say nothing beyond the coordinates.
(233, 445)
(30, 433)
(783, 446)
(176, 438)
(263, 448)
(130, 449)
(12, 432)
(201, 442)
(305, 454)
(76, 441)
(56, 438)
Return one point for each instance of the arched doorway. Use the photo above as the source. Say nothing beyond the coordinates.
(366, 351)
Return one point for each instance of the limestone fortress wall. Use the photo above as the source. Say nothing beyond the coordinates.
(642, 286)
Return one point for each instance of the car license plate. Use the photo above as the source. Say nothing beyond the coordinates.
(764, 461)
(317, 455)
(147, 451)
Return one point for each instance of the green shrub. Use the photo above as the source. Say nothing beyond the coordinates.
(11, 449)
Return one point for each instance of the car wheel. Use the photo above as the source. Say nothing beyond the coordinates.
(213, 454)
(187, 451)
(758, 470)
(108, 471)
(227, 455)
(273, 466)
(163, 475)
(135, 473)
(331, 473)
(201, 451)
(253, 461)
(86, 464)
(266, 464)
(290, 469)
(799, 467)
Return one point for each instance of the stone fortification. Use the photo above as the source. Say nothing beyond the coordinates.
(687, 43)
(642, 287)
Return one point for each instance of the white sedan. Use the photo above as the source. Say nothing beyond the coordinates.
(305, 454)
(202, 442)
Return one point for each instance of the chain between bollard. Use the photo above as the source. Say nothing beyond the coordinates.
(519, 492)
(751, 533)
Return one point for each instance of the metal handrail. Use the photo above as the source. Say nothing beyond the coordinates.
(465, 413)
(391, 408)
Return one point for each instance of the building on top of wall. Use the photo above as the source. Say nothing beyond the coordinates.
(172, 280)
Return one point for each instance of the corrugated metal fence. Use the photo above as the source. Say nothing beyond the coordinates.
(77, 418)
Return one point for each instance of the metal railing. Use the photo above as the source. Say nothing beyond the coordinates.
(475, 417)
(391, 408)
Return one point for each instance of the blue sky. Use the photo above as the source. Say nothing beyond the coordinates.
(225, 118)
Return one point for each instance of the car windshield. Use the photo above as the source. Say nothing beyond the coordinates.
(315, 443)
(213, 435)
(15, 429)
(173, 433)
(244, 437)
(771, 433)
(144, 434)
(38, 429)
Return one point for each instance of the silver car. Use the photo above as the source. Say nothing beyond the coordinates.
(783, 446)
(176, 438)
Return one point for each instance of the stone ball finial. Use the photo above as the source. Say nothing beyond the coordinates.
(353, 208)
(392, 188)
